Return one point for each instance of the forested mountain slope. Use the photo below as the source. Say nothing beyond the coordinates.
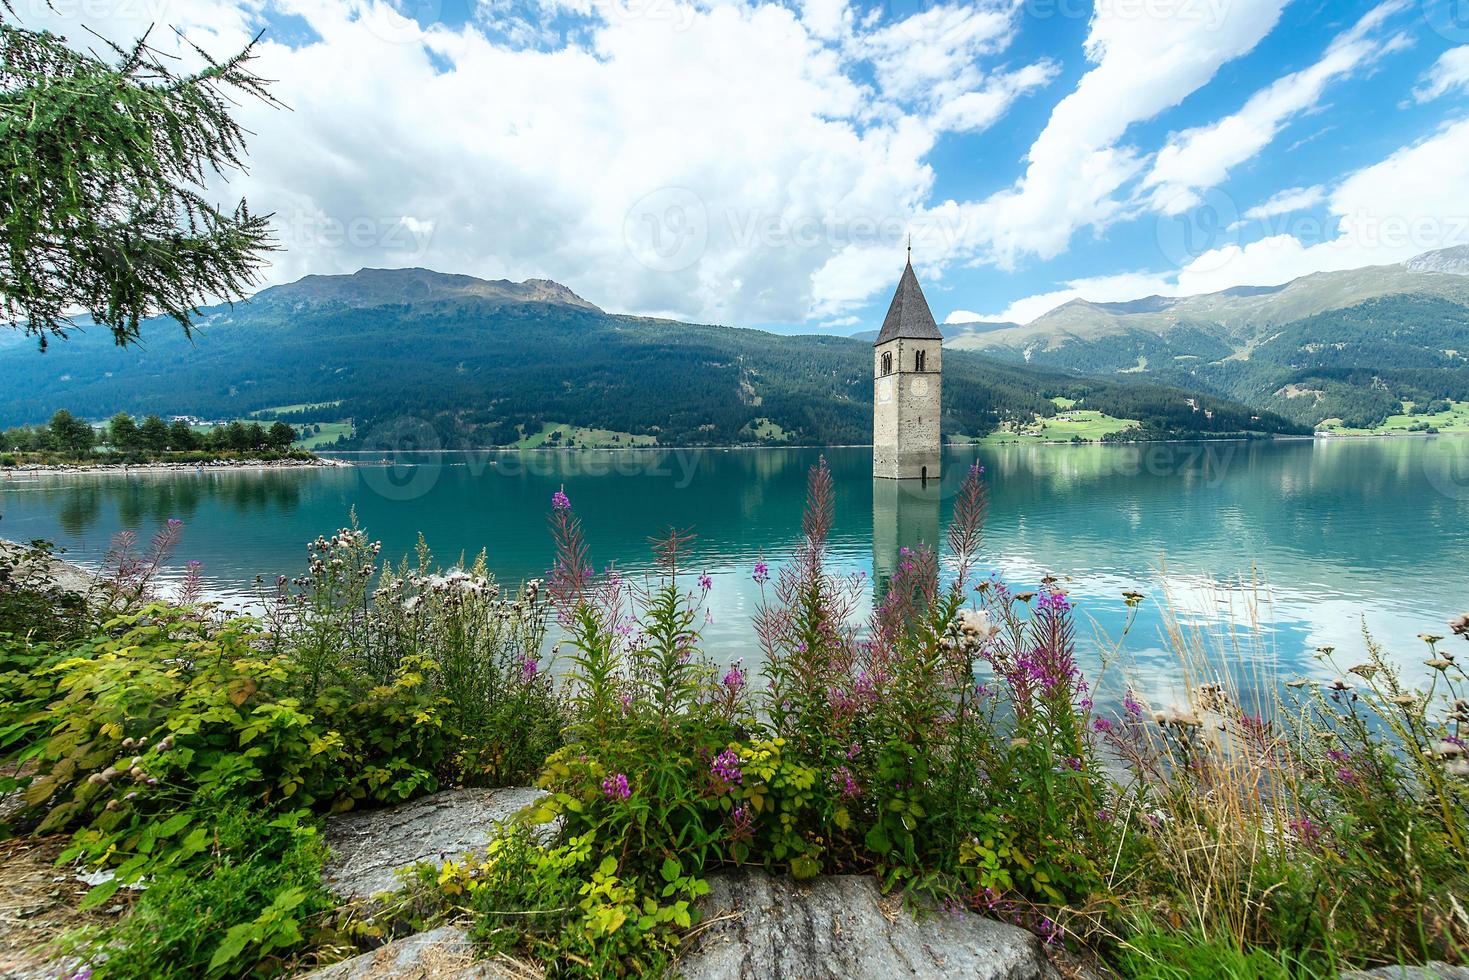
(484, 366)
(1351, 345)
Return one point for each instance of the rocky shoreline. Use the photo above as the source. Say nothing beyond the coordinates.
(756, 926)
(62, 574)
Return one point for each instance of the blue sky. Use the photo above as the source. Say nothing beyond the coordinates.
(761, 164)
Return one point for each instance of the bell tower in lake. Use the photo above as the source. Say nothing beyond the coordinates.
(907, 362)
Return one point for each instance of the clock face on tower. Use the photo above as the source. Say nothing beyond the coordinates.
(919, 386)
(884, 389)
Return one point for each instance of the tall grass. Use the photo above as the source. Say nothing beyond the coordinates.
(1321, 820)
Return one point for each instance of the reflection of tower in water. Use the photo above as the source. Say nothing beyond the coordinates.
(905, 514)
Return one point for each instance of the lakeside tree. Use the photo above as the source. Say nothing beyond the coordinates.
(122, 433)
(153, 434)
(280, 436)
(181, 437)
(71, 435)
(103, 165)
(152, 438)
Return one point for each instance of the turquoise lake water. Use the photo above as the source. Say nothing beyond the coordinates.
(1338, 533)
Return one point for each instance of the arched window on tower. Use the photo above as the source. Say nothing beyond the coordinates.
(887, 363)
(918, 360)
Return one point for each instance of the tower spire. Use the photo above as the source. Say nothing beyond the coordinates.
(910, 248)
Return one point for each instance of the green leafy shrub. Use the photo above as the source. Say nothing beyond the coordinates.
(568, 907)
(167, 710)
(252, 900)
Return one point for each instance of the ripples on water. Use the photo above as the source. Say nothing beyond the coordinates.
(1335, 533)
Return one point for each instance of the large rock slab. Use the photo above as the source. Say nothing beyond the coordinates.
(369, 846)
(19, 567)
(444, 953)
(759, 927)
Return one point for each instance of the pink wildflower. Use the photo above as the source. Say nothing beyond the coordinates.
(615, 787)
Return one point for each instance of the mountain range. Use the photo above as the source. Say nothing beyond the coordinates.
(1348, 346)
(490, 363)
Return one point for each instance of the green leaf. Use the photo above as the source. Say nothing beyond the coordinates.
(671, 869)
(197, 840)
(289, 899)
(99, 894)
(233, 945)
(174, 824)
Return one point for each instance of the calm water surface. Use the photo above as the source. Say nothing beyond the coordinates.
(1339, 534)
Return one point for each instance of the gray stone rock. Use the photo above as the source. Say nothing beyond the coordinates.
(369, 846)
(37, 573)
(759, 927)
(444, 953)
(1429, 971)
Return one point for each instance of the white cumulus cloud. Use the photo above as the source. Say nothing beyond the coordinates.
(1449, 73)
(1145, 57)
(1411, 202)
(1202, 157)
(728, 160)
(1290, 200)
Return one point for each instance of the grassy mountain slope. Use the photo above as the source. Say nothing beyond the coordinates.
(485, 369)
(1348, 345)
(1358, 364)
(1235, 317)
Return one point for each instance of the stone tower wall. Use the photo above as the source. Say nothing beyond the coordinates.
(906, 408)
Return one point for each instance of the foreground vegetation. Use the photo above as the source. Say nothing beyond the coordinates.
(949, 745)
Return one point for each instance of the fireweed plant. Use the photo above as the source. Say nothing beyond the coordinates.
(944, 746)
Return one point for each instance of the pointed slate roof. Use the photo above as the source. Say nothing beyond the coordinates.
(908, 316)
